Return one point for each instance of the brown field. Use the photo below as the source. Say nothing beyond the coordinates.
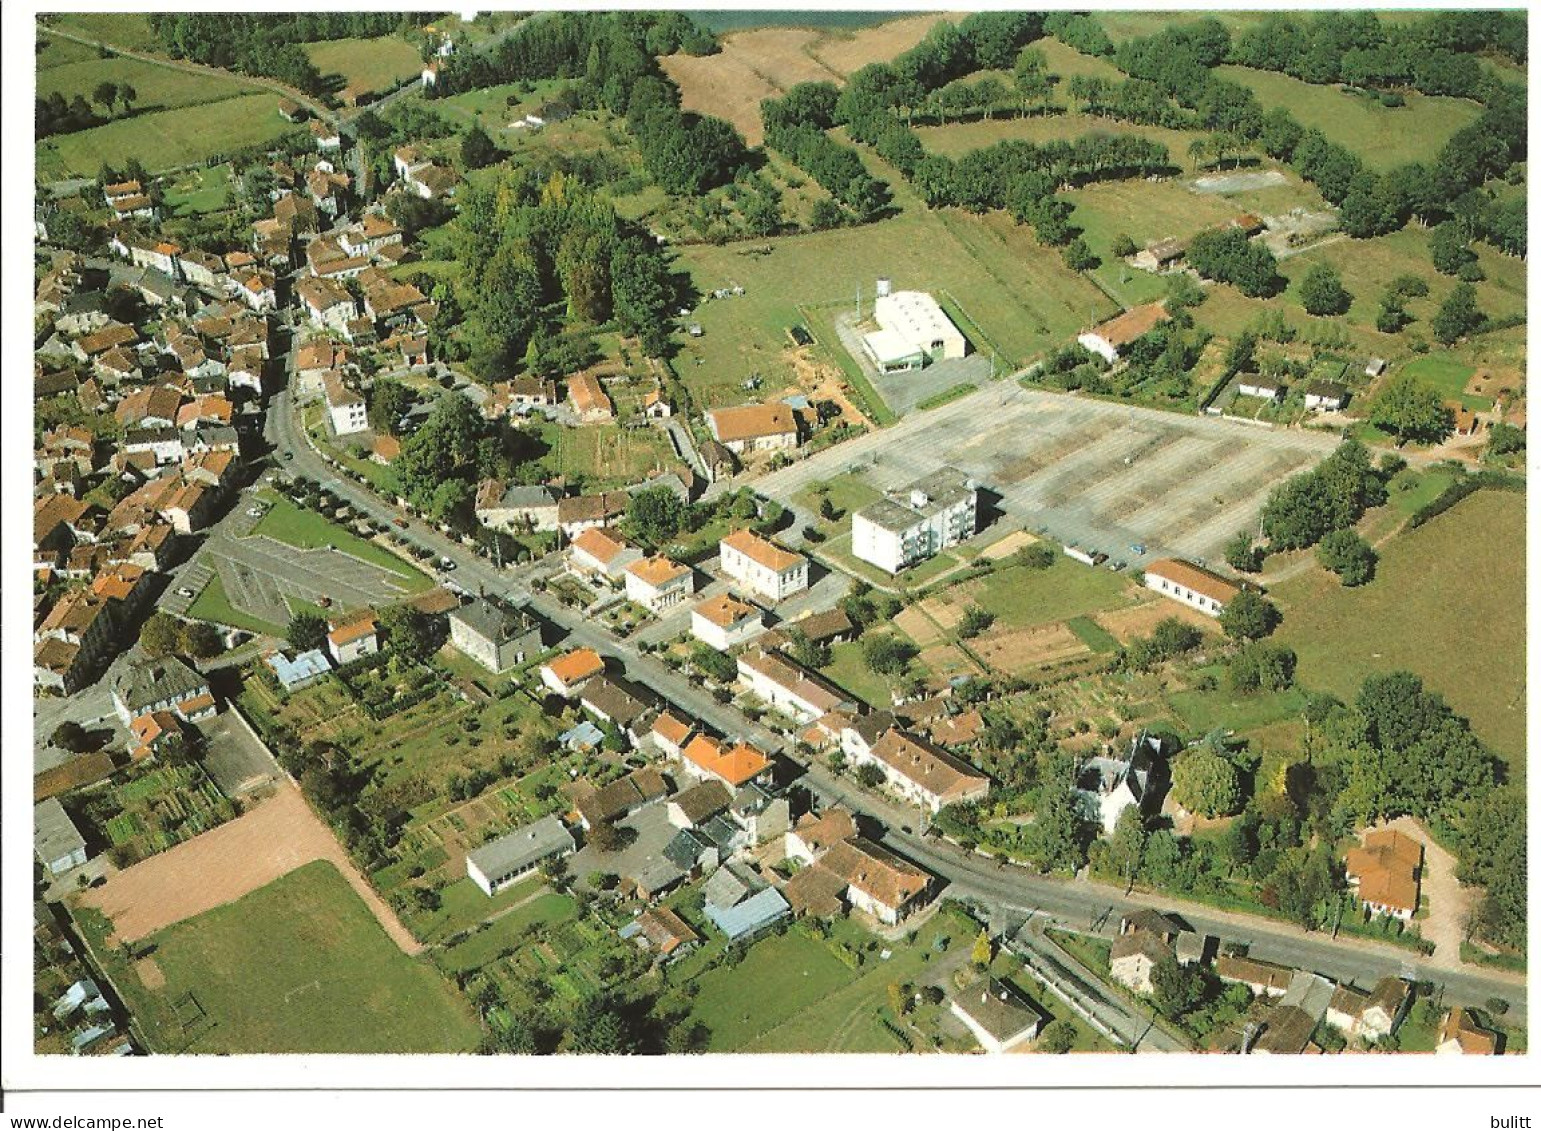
(752, 65)
(229, 862)
(1016, 651)
(1126, 624)
(1005, 547)
(844, 53)
(150, 973)
(946, 661)
(918, 627)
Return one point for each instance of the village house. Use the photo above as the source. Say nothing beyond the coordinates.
(997, 1016)
(658, 584)
(1325, 396)
(621, 798)
(1193, 585)
(570, 671)
(494, 634)
(346, 408)
(754, 427)
(761, 566)
(1384, 873)
(505, 861)
(577, 513)
(596, 551)
(670, 733)
(303, 670)
(353, 637)
(156, 732)
(1159, 255)
(699, 804)
(326, 302)
(1260, 386)
(786, 687)
(1110, 785)
(1460, 1034)
(519, 395)
(1263, 979)
(876, 881)
(1109, 338)
(723, 622)
(591, 404)
(166, 684)
(515, 506)
(663, 932)
(325, 136)
(922, 773)
(1370, 1016)
(625, 705)
(909, 526)
(707, 759)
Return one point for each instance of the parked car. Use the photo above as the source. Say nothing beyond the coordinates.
(255, 512)
(400, 523)
(184, 591)
(447, 563)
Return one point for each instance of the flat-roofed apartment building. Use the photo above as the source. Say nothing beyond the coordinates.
(918, 522)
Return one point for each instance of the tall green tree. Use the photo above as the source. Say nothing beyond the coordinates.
(1411, 409)
(1322, 292)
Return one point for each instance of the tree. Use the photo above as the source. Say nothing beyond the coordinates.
(1079, 256)
(1322, 293)
(975, 620)
(410, 633)
(886, 654)
(160, 635)
(70, 735)
(1242, 554)
(1411, 409)
(1262, 667)
(477, 149)
(389, 401)
(306, 631)
(127, 95)
(1450, 249)
(1457, 315)
(870, 775)
(1061, 834)
(1057, 1037)
(1204, 781)
(1505, 439)
(1038, 556)
(1126, 847)
(656, 514)
(604, 836)
(200, 640)
(105, 95)
(1248, 616)
(982, 953)
(1347, 555)
(1175, 988)
(1123, 246)
(718, 665)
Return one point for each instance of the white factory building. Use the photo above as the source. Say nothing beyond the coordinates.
(912, 332)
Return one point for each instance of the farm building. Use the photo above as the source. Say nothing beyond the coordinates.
(1193, 585)
(1108, 339)
(58, 842)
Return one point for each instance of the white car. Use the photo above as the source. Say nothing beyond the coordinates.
(184, 591)
(255, 512)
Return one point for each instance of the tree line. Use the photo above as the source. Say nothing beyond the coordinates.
(614, 58)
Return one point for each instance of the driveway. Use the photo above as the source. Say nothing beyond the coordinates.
(1449, 902)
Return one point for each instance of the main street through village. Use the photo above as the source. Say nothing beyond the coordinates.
(1009, 894)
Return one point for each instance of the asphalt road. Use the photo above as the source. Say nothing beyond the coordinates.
(1011, 890)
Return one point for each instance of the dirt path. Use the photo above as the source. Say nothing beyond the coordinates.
(228, 862)
(1449, 901)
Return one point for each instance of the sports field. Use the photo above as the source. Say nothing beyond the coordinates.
(1384, 137)
(187, 135)
(323, 979)
(1447, 602)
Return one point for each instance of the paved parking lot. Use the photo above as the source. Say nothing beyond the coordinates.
(1101, 475)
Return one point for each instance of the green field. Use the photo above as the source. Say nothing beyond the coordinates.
(1383, 137)
(1448, 375)
(307, 530)
(188, 135)
(485, 945)
(373, 64)
(122, 29)
(958, 138)
(213, 604)
(1447, 602)
(156, 87)
(1019, 294)
(849, 671)
(1021, 597)
(1204, 711)
(199, 190)
(323, 977)
(606, 455)
(52, 51)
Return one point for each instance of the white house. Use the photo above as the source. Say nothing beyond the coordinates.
(326, 303)
(923, 773)
(1325, 396)
(508, 506)
(353, 638)
(1259, 386)
(596, 551)
(1370, 1016)
(570, 671)
(723, 622)
(345, 407)
(761, 566)
(1112, 785)
(786, 687)
(999, 1019)
(1193, 585)
(495, 635)
(877, 882)
(657, 583)
(912, 525)
(507, 860)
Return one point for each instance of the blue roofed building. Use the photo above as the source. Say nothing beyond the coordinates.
(302, 671)
(750, 916)
(584, 736)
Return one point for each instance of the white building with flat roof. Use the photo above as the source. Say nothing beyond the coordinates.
(918, 522)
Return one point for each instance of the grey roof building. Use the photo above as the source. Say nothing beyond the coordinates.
(155, 685)
(59, 844)
(494, 634)
(998, 1018)
(751, 916)
(504, 861)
